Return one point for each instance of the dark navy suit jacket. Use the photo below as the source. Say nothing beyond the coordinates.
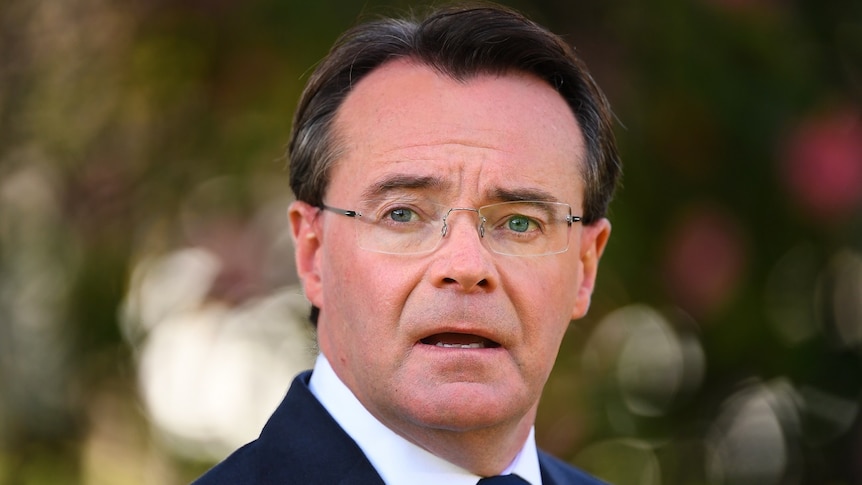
(302, 444)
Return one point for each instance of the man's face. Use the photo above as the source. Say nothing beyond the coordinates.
(408, 131)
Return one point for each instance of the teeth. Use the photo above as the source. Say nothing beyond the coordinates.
(477, 345)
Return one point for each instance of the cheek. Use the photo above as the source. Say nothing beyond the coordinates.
(366, 290)
(546, 302)
(558, 286)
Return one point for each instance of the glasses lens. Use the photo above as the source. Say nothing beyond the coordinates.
(528, 228)
(400, 227)
(521, 228)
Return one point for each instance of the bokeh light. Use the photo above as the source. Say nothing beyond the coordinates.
(150, 314)
(755, 437)
(841, 297)
(654, 366)
(822, 163)
(218, 332)
(706, 259)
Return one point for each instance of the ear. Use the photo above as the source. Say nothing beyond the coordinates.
(305, 228)
(594, 238)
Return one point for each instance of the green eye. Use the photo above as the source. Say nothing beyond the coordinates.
(401, 215)
(519, 224)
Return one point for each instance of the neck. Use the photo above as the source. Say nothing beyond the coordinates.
(485, 444)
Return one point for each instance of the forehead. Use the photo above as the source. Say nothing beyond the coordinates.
(471, 139)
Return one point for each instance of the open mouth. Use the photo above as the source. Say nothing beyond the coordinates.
(459, 341)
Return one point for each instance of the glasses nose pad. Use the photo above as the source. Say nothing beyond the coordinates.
(482, 220)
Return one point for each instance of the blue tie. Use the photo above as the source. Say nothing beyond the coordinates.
(503, 480)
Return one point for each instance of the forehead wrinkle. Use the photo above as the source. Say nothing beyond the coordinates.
(400, 181)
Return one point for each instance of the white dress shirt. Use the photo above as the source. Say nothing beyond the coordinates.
(397, 460)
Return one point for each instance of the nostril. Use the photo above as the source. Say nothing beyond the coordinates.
(482, 283)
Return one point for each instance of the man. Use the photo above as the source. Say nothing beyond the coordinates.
(452, 176)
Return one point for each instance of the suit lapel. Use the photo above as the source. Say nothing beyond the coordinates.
(302, 443)
(319, 450)
(557, 472)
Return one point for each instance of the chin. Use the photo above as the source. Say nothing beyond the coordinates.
(469, 406)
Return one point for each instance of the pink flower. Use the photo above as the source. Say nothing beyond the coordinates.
(706, 256)
(821, 163)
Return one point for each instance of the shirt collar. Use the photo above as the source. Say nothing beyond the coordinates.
(396, 459)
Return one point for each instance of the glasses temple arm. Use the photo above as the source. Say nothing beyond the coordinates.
(343, 212)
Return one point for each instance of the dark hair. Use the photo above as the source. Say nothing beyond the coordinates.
(461, 42)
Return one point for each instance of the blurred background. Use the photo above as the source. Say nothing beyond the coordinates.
(150, 318)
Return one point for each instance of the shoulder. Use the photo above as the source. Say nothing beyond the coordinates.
(558, 472)
(275, 451)
(300, 444)
(254, 464)
(240, 467)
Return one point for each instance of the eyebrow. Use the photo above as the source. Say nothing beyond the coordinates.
(396, 182)
(401, 182)
(512, 195)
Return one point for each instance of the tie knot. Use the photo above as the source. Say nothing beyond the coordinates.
(503, 480)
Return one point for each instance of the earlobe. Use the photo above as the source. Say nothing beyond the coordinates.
(305, 229)
(594, 238)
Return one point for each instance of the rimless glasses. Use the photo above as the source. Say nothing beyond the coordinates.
(515, 228)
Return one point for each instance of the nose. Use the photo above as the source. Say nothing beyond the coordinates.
(462, 261)
(480, 227)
